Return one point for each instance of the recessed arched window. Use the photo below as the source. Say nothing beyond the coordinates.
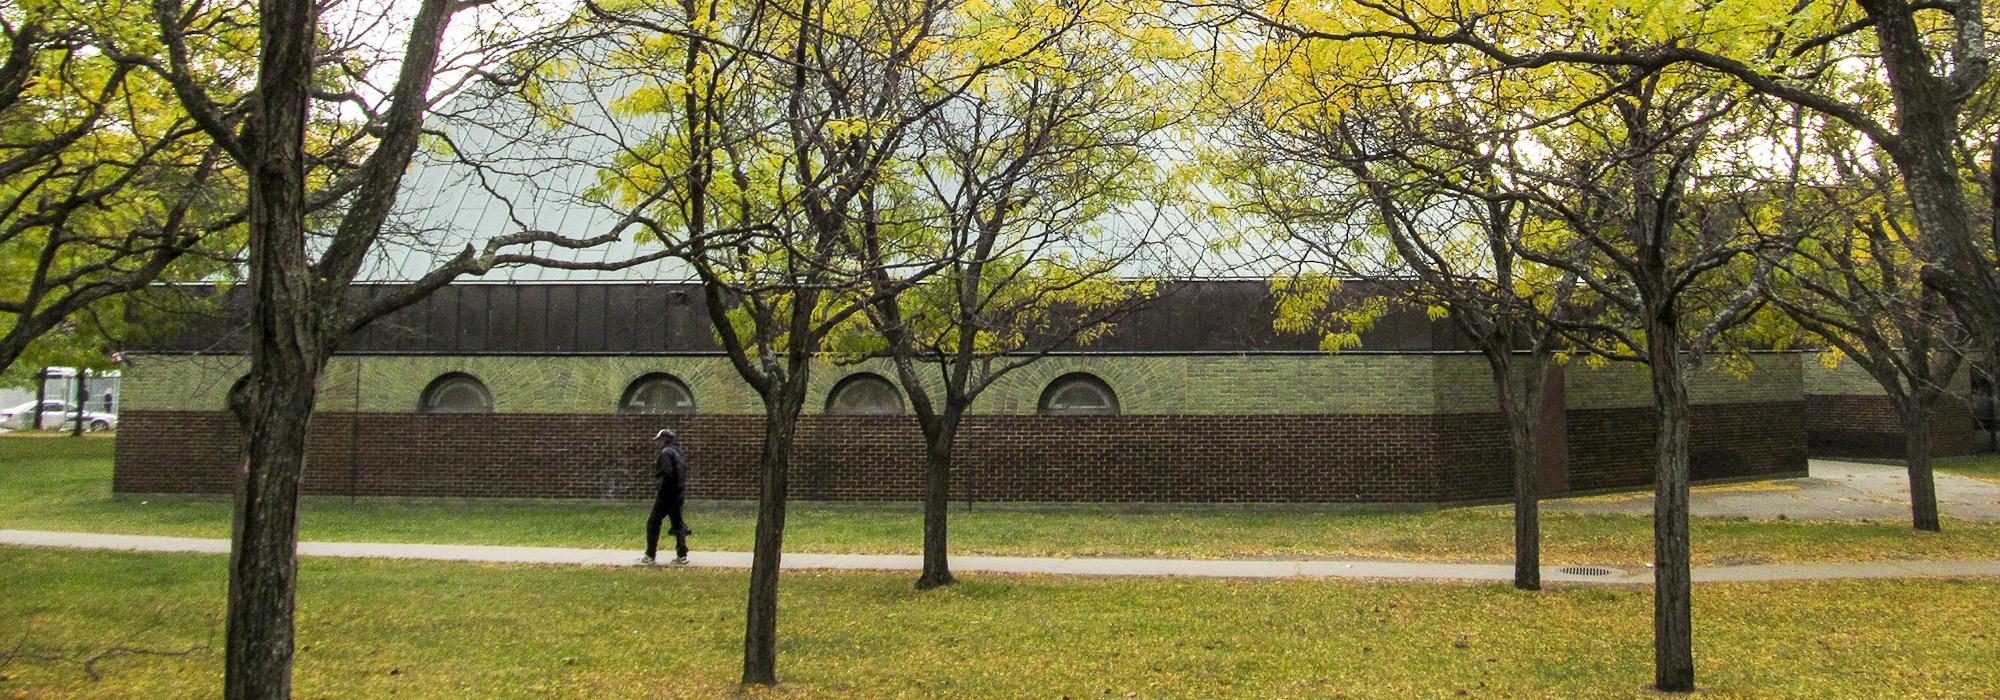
(1079, 394)
(241, 388)
(864, 395)
(456, 392)
(657, 393)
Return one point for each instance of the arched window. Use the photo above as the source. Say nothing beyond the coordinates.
(241, 385)
(456, 392)
(1079, 394)
(864, 395)
(657, 393)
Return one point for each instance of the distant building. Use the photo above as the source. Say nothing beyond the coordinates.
(550, 390)
(61, 386)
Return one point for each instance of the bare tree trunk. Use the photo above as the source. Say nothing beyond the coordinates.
(41, 397)
(82, 398)
(275, 404)
(760, 634)
(1527, 507)
(1917, 449)
(1520, 406)
(263, 561)
(1673, 629)
(937, 505)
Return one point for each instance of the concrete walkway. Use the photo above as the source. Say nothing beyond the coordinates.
(1832, 490)
(1197, 568)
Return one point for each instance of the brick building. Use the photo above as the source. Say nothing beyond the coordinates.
(550, 390)
(548, 384)
(1849, 416)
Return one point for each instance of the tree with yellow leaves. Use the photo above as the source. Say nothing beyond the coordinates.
(1361, 173)
(1908, 76)
(105, 187)
(1854, 280)
(1626, 186)
(1041, 190)
(1652, 205)
(321, 121)
(780, 134)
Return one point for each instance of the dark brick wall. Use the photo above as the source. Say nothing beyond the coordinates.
(1613, 448)
(573, 317)
(1477, 462)
(1867, 426)
(1149, 458)
(1013, 458)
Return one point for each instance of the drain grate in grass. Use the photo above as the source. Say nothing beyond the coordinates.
(1586, 571)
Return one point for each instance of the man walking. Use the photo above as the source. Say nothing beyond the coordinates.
(670, 469)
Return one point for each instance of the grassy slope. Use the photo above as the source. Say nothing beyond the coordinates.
(375, 628)
(61, 484)
(1986, 466)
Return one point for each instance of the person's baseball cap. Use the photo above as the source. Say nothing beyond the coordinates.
(664, 434)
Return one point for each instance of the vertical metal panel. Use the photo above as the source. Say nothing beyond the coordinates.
(371, 338)
(685, 324)
(381, 332)
(562, 317)
(647, 315)
(401, 326)
(617, 317)
(505, 321)
(619, 303)
(531, 326)
(590, 316)
(472, 304)
(441, 321)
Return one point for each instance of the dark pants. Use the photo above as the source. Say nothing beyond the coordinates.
(667, 505)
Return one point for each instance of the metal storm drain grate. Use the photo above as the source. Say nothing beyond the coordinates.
(1586, 571)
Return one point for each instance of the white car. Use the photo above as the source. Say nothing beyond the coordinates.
(56, 415)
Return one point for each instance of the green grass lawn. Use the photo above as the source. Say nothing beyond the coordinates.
(1986, 466)
(426, 629)
(53, 483)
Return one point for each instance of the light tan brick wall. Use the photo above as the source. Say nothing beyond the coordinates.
(1844, 379)
(1848, 379)
(1756, 378)
(1353, 383)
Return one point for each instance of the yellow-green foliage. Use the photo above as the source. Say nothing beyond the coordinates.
(879, 136)
(1352, 64)
(93, 209)
(1309, 303)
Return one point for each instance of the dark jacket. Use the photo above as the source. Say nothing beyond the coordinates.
(671, 469)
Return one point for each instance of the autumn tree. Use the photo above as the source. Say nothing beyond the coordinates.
(322, 131)
(1854, 281)
(1039, 191)
(1653, 198)
(1362, 172)
(773, 133)
(105, 187)
(1933, 62)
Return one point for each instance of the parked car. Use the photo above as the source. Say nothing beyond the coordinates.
(56, 415)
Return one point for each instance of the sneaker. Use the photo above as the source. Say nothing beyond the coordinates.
(645, 561)
(680, 561)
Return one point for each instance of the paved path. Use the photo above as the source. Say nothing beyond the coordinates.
(1198, 568)
(1833, 490)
